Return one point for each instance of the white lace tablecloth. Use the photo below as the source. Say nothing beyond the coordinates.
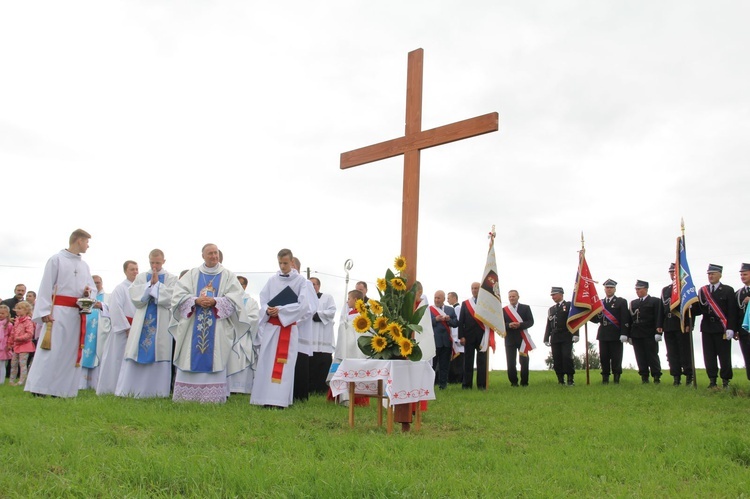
(404, 381)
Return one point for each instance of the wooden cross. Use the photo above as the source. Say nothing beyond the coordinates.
(414, 140)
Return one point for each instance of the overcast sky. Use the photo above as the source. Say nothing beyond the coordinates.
(172, 124)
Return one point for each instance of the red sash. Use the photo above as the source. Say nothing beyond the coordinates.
(706, 292)
(527, 344)
(72, 301)
(611, 318)
(282, 349)
(487, 330)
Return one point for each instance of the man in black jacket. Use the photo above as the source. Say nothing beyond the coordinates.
(470, 333)
(678, 343)
(557, 336)
(718, 305)
(614, 330)
(646, 332)
(518, 319)
(743, 297)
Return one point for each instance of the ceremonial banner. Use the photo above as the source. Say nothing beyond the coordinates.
(684, 293)
(489, 306)
(585, 302)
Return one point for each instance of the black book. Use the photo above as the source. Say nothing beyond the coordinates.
(285, 297)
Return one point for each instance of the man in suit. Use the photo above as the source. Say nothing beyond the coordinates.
(646, 332)
(557, 336)
(443, 319)
(614, 330)
(743, 297)
(518, 319)
(470, 333)
(678, 343)
(456, 371)
(718, 305)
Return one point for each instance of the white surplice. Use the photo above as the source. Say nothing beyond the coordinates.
(54, 371)
(266, 391)
(242, 382)
(120, 309)
(322, 332)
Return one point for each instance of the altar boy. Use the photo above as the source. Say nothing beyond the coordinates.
(285, 300)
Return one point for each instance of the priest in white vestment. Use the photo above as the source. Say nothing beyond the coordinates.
(242, 382)
(121, 312)
(209, 320)
(147, 366)
(286, 299)
(322, 339)
(97, 329)
(56, 370)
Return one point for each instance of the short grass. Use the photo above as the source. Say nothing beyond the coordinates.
(542, 441)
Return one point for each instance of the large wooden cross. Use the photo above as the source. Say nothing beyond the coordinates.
(414, 140)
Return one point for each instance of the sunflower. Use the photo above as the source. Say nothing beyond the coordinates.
(395, 330)
(381, 324)
(406, 347)
(378, 343)
(375, 307)
(399, 263)
(360, 306)
(361, 323)
(382, 284)
(398, 284)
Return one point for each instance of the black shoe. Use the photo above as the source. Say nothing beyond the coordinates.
(657, 380)
(688, 380)
(605, 379)
(712, 383)
(560, 379)
(644, 380)
(524, 384)
(514, 385)
(677, 381)
(617, 379)
(725, 384)
(571, 383)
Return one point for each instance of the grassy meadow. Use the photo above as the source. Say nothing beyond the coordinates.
(630, 440)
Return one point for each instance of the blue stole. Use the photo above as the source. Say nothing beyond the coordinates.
(88, 355)
(147, 341)
(204, 328)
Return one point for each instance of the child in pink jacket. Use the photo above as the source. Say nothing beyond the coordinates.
(23, 333)
(6, 329)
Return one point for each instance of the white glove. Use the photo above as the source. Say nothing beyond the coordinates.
(546, 343)
(730, 334)
(575, 339)
(623, 338)
(657, 337)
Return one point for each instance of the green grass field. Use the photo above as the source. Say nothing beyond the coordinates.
(629, 440)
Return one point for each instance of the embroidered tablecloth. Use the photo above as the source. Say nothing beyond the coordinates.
(405, 381)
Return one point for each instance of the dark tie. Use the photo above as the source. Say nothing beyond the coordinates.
(713, 288)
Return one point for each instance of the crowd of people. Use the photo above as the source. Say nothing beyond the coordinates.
(201, 336)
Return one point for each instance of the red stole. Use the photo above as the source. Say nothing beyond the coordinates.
(282, 349)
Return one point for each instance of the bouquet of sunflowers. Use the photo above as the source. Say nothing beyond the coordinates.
(387, 326)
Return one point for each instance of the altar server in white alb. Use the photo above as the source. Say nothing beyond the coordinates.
(56, 368)
(322, 339)
(209, 320)
(147, 366)
(121, 312)
(286, 299)
(97, 329)
(242, 382)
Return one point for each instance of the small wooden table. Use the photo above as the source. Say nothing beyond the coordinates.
(393, 381)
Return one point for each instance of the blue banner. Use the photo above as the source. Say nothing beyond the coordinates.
(147, 341)
(204, 329)
(688, 293)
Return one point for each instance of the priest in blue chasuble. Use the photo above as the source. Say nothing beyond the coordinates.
(209, 319)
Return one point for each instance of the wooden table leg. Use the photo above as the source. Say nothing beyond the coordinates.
(351, 404)
(389, 418)
(419, 415)
(380, 403)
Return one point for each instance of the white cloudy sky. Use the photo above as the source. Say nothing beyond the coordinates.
(172, 124)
